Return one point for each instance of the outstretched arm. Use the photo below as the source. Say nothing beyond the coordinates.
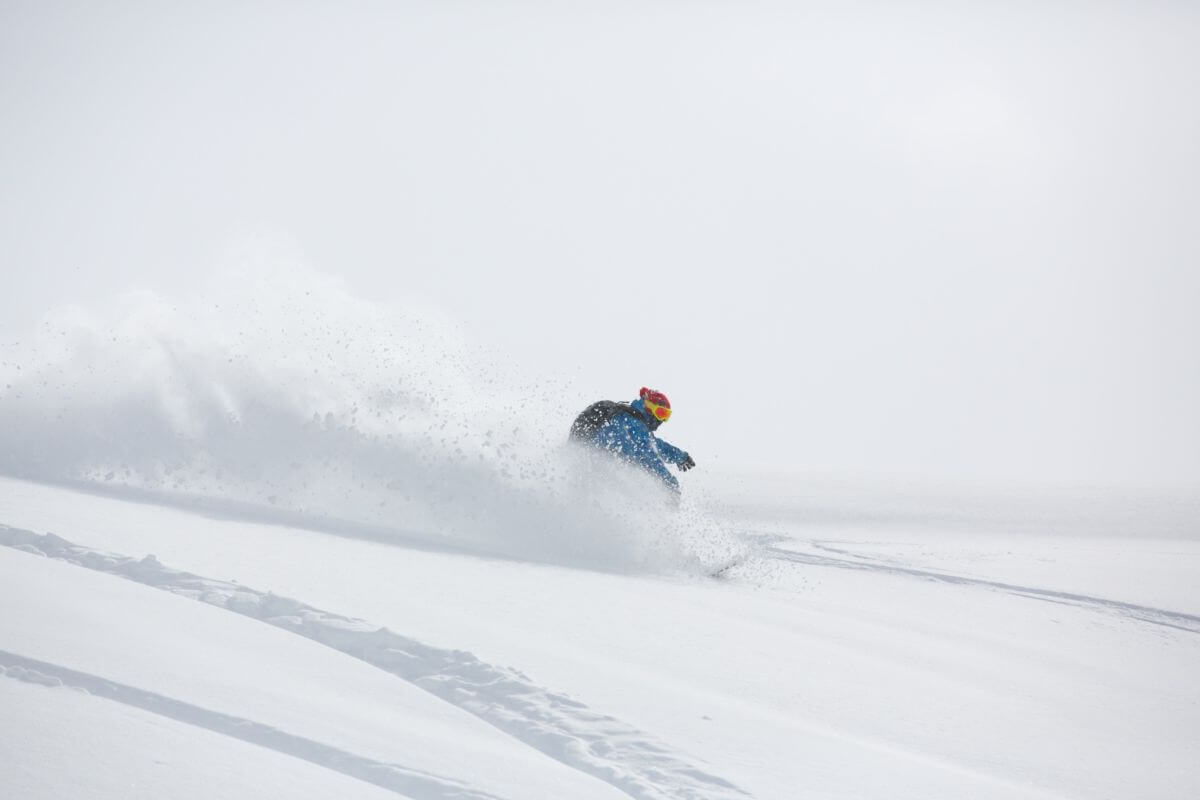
(630, 440)
(673, 455)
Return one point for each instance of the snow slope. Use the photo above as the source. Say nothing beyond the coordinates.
(275, 540)
(259, 685)
(804, 673)
(64, 742)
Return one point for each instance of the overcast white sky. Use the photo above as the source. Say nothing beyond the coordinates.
(922, 239)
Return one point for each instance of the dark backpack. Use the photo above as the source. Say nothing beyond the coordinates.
(594, 417)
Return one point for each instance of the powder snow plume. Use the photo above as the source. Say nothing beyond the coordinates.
(276, 393)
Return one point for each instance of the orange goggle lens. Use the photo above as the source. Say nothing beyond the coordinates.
(663, 413)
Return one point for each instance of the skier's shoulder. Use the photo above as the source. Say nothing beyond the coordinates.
(626, 418)
(600, 414)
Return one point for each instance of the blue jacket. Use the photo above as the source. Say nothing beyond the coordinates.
(629, 437)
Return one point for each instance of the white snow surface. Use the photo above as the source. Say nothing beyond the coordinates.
(153, 650)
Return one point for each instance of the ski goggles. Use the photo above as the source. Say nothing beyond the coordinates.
(661, 413)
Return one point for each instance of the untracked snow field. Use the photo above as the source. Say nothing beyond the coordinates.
(156, 651)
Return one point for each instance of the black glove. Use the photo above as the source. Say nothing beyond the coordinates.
(687, 463)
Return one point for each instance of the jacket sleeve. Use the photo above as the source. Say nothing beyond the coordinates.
(632, 441)
(670, 453)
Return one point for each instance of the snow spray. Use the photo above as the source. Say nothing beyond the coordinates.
(277, 394)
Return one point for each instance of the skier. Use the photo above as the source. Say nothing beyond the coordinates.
(627, 431)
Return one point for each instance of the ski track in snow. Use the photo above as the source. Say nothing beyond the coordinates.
(394, 777)
(562, 728)
(1157, 616)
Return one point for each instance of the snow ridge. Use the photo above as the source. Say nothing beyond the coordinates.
(558, 726)
(393, 777)
(1157, 616)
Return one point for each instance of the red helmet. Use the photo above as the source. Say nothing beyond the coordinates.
(656, 403)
